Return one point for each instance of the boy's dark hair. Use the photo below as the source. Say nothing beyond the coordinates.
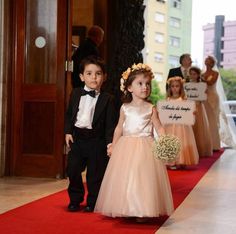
(92, 60)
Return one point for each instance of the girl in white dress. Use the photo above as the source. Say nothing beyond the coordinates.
(201, 127)
(135, 183)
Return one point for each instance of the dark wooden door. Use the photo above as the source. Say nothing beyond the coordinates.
(38, 95)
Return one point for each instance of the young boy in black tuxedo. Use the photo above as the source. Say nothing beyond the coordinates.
(89, 124)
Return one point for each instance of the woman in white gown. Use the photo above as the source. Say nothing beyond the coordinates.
(222, 126)
(212, 104)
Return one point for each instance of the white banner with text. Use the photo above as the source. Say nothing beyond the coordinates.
(195, 91)
(176, 112)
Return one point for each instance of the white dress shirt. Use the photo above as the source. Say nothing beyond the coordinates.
(86, 110)
(185, 72)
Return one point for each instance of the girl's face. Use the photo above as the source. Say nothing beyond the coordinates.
(193, 76)
(175, 88)
(140, 87)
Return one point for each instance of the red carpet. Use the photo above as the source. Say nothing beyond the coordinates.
(49, 215)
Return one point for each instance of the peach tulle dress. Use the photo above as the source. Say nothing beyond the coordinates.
(135, 183)
(202, 132)
(188, 154)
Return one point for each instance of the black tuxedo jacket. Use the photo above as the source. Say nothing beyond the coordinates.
(175, 72)
(104, 119)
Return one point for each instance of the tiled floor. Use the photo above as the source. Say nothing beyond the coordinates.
(211, 206)
(209, 209)
(17, 191)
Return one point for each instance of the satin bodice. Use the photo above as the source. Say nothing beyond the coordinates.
(137, 120)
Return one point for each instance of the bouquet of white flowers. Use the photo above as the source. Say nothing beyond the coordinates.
(167, 148)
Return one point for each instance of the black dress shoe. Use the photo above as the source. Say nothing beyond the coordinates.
(73, 207)
(88, 209)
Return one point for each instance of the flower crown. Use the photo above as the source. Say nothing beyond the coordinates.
(175, 78)
(134, 67)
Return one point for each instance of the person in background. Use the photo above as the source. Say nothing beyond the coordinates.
(89, 124)
(188, 154)
(212, 104)
(183, 70)
(201, 127)
(87, 48)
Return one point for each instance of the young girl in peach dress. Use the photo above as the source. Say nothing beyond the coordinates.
(201, 127)
(135, 183)
(188, 154)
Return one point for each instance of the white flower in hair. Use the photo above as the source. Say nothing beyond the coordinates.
(122, 87)
(134, 67)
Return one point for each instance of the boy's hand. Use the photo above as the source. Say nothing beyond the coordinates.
(68, 139)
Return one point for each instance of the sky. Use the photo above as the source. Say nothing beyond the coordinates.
(204, 12)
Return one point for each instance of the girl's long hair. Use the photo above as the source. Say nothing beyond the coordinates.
(181, 82)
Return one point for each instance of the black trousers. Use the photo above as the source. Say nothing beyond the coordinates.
(90, 154)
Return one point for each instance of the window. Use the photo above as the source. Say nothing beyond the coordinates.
(158, 57)
(163, 1)
(159, 17)
(159, 37)
(222, 45)
(176, 4)
(174, 41)
(175, 22)
(173, 61)
(221, 57)
(158, 76)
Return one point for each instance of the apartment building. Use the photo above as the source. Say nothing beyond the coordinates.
(220, 41)
(167, 35)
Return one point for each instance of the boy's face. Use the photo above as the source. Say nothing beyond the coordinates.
(93, 76)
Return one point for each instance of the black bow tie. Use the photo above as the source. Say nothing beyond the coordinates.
(92, 93)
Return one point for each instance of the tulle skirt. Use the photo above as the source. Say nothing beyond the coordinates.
(202, 132)
(188, 154)
(135, 183)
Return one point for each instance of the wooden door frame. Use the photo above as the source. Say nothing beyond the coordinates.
(8, 58)
(13, 45)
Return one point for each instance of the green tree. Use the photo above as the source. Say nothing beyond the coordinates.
(156, 93)
(229, 83)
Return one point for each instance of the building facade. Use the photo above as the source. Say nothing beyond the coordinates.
(167, 35)
(220, 41)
